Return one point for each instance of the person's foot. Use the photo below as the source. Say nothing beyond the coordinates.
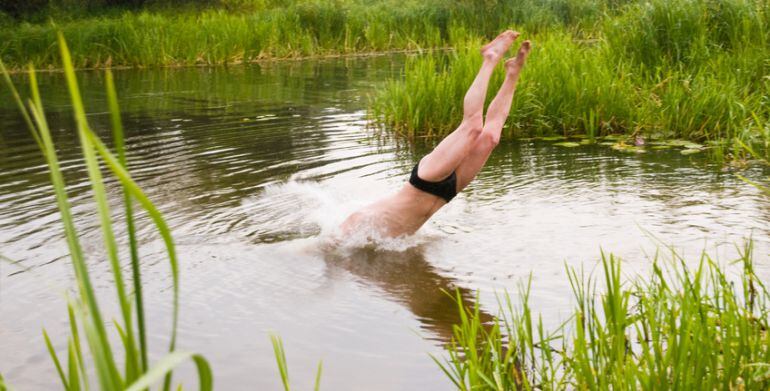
(513, 66)
(496, 49)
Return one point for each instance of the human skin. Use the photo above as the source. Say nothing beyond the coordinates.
(464, 151)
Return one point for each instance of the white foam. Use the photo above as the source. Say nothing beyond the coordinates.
(302, 206)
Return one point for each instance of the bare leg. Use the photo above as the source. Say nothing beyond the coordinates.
(496, 116)
(448, 154)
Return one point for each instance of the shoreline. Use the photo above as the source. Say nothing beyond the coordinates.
(17, 70)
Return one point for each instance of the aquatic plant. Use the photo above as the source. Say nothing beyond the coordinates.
(283, 368)
(687, 32)
(679, 328)
(669, 69)
(85, 315)
(746, 151)
(233, 31)
(567, 87)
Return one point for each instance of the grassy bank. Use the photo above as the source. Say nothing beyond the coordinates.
(679, 328)
(224, 32)
(693, 69)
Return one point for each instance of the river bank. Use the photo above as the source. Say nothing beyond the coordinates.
(694, 70)
(253, 30)
(691, 70)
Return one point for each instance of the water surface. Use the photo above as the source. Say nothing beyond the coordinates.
(253, 165)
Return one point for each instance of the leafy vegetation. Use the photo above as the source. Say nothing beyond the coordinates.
(679, 328)
(85, 315)
(692, 69)
(233, 31)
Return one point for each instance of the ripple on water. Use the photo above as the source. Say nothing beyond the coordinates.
(254, 168)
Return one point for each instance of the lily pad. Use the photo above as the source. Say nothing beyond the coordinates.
(689, 151)
(568, 144)
(607, 143)
(660, 135)
(622, 147)
(677, 142)
(658, 147)
(692, 146)
(614, 137)
(587, 141)
(553, 138)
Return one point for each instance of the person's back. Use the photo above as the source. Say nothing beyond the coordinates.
(401, 213)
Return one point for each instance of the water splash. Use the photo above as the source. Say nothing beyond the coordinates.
(310, 208)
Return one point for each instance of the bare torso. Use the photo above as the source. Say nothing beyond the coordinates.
(401, 213)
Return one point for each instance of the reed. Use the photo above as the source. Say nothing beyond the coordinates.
(744, 149)
(667, 69)
(565, 83)
(85, 315)
(241, 31)
(283, 367)
(689, 32)
(679, 328)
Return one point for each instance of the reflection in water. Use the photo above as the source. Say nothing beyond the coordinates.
(410, 279)
(253, 165)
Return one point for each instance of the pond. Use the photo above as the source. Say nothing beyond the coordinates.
(252, 166)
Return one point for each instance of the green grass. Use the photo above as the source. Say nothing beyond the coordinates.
(85, 316)
(229, 31)
(283, 368)
(693, 69)
(678, 328)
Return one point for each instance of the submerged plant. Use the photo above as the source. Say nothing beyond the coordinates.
(84, 310)
(680, 328)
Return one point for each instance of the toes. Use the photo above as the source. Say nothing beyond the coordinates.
(514, 64)
(526, 46)
(501, 43)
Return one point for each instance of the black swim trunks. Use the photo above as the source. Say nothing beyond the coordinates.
(446, 189)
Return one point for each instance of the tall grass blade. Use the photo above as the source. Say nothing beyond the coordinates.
(280, 359)
(73, 364)
(86, 308)
(56, 362)
(317, 384)
(117, 131)
(109, 377)
(100, 197)
(20, 104)
(113, 164)
(3, 385)
(168, 363)
(764, 189)
(75, 335)
(686, 327)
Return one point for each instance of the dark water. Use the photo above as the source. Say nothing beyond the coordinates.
(252, 165)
